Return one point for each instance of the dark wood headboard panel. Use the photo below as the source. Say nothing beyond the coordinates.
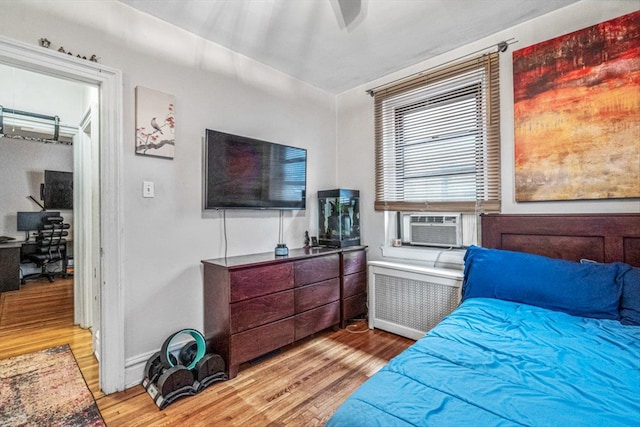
(599, 237)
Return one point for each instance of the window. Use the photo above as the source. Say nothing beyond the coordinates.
(437, 140)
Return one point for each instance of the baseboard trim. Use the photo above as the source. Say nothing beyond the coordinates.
(134, 366)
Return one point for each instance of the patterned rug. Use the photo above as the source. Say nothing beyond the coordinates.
(46, 388)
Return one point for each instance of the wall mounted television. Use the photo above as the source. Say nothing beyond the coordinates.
(247, 173)
(57, 190)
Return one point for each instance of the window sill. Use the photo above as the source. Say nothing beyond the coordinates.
(431, 256)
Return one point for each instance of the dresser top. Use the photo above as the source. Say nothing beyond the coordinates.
(270, 257)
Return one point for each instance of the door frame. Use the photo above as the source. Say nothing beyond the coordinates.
(82, 225)
(109, 82)
(86, 221)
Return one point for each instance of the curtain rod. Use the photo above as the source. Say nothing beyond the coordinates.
(501, 46)
(28, 114)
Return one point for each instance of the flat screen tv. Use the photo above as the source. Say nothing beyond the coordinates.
(57, 190)
(247, 173)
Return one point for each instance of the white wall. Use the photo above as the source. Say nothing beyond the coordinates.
(355, 119)
(166, 237)
(37, 93)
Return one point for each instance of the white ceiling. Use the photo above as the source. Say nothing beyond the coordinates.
(307, 40)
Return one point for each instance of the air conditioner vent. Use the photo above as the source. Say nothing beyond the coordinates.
(435, 219)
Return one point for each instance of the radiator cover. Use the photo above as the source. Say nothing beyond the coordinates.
(409, 299)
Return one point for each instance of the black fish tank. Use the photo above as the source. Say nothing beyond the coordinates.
(339, 218)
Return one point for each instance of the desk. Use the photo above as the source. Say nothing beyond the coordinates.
(12, 254)
(10, 266)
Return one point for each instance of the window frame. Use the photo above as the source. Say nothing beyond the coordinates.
(476, 78)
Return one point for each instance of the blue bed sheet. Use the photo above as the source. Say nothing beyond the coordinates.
(494, 363)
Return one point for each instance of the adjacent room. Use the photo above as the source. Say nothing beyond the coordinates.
(320, 212)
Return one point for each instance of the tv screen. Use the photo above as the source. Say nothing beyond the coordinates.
(246, 173)
(57, 190)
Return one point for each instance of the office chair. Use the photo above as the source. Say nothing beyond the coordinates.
(52, 247)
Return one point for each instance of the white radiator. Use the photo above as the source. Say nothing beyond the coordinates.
(409, 299)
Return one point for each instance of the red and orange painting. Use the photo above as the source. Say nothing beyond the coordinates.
(577, 114)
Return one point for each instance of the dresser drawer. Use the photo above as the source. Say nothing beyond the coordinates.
(353, 262)
(255, 342)
(256, 281)
(317, 319)
(354, 284)
(316, 269)
(354, 306)
(254, 312)
(317, 294)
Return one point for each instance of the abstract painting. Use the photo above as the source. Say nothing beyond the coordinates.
(577, 114)
(155, 124)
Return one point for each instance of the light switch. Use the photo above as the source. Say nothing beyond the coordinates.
(147, 189)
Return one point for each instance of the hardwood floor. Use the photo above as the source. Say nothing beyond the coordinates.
(39, 316)
(301, 385)
(36, 304)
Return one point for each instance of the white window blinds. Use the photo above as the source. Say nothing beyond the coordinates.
(438, 140)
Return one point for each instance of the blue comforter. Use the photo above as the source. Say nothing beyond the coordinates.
(494, 362)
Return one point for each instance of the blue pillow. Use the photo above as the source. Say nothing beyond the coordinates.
(630, 300)
(587, 290)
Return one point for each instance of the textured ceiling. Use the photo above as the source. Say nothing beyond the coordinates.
(308, 39)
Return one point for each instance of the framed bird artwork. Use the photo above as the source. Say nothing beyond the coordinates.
(155, 123)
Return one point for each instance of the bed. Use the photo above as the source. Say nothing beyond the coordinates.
(537, 340)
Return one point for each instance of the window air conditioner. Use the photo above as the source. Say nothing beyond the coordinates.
(436, 230)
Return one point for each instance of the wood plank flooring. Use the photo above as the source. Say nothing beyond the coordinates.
(301, 385)
(37, 303)
(39, 316)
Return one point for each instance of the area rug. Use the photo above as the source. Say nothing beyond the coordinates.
(46, 388)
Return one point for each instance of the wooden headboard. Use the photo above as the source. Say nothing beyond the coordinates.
(599, 237)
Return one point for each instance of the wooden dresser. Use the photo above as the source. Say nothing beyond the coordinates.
(353, 291)
(258, 303)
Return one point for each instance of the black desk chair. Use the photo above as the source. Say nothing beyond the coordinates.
(52, 247)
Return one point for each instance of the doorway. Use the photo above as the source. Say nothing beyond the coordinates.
(105, 257)
(47, 126)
